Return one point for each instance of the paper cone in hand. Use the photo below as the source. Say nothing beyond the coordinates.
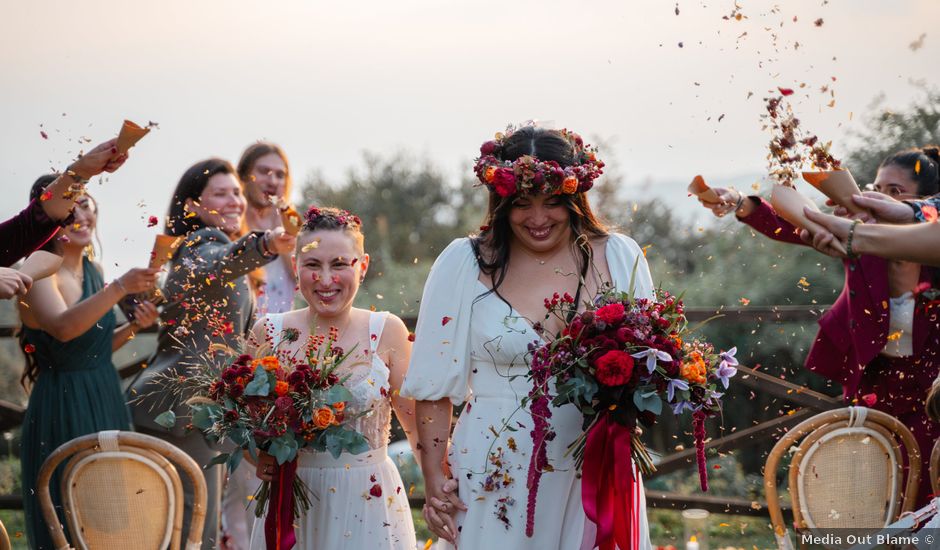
(41, 264)
(130, 134)
(163, 249)
(789, 203)
(291, 220)
(700, 189)
(838, 185)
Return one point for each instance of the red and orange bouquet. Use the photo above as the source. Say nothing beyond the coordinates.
(620, 362)
(278, 407)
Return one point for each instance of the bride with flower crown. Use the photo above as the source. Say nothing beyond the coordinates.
(478, 315)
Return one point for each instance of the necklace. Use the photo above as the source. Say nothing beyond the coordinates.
(536, 258)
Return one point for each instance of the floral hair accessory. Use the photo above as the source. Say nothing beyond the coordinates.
(528, 175)
(316, 215)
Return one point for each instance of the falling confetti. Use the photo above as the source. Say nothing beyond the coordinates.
(152, 221)
(446, 320)
(917, 44)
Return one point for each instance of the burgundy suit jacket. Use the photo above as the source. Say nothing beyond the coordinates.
(855, 329)
(24, 233)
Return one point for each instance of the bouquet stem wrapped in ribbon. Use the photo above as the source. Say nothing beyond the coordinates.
(620, 362)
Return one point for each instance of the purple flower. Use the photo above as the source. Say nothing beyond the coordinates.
(673, 385)
(680, 407)
(652, 355)
(726, 368)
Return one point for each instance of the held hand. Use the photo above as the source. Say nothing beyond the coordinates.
(145, 314)
(835, 229)
(884, 208)
(13, 283)
(441, 506)
(139, 280)
(728, 200)
(265, 467)
(103, 158)
(280, 242)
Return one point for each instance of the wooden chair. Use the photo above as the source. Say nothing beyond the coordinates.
(846, 471)
(4, 538)
(120, 490)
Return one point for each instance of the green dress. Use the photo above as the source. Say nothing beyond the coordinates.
(76, 393)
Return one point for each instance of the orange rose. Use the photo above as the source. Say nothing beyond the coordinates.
(339, 406)
(281, 388)
(270, 363)
(695, 370)
(489, 174)
(570, 185)
(323, 417)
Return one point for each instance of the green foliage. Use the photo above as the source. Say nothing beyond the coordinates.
(887, 131)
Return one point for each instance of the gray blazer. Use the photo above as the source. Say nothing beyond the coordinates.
(208, 302)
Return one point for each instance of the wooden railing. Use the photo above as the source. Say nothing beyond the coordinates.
(809, 402)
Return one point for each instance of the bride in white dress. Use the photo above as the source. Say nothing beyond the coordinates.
(359, 501)
(471, 345)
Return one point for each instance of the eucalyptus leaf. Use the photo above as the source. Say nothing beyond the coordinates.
(259, 384)
(204, 416)
(217, 459)
(648, 401)
(284, 449)
(166, 419)
(233, 460)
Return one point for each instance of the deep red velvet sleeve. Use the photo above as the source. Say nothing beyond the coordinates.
(24, 233)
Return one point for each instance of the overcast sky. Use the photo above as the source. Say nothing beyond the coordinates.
(328, 80)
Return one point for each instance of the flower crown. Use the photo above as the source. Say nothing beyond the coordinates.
(315, 215)
(528, 175)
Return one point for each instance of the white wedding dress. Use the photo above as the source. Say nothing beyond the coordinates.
(343, 513)
(473, 349)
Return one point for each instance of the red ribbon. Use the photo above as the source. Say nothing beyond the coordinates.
(279, 523)
(609, 489)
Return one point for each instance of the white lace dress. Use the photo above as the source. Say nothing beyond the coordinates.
(473, 349)
(344, 512)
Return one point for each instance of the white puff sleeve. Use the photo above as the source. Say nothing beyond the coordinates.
(440, 358)
(627, 265)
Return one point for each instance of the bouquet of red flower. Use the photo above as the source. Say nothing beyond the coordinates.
(619, 362)
(261, 403)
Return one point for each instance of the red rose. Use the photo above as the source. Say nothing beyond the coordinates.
(611, 313)
(504, 182)
(488, 148)
(614, 368)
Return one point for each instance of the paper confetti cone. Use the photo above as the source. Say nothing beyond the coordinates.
(838, 185)
(130, 134)
(291, 220)
(789, 203)
(700, 189)
(163, 248)
(41, 264)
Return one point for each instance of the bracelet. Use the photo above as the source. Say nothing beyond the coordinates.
(848, 241)
(740, 203)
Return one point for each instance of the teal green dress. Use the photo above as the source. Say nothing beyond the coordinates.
(76, 393)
